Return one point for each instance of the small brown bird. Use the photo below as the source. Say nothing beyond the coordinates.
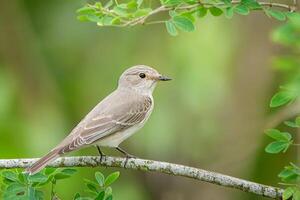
(114, 119)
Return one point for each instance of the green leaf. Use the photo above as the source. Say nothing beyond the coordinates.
(279, 136)
(291, 124)
(100, 196)
(69, 171)
(189, 15)
(251, 4)
(288, 174)
(241, 9)
(37, 178)
(76, 196)
(229, 12)
(276, 147)
(98, 5)
(121, 11)
(215, 11)
(92, 18)
(111, 178)
(92, 187)
(108, 191)
(173, 13)
(227, 2)
(142, 12)
(86, 10)
(109, 4)
(9, 175)
(275, 14)
(132, 5)
(295, 124)
(15, 191)
(22, 178)
(109, 197)
(183, 23)
(39, 195)
(31, 193)
(49, 170)
(288, 192)
(82, 18)
(282, 98)
(201, 12)
(172, 2)
(95, 185)
(107, 20)
(59, 176)
(191, 2)
(171, 28)
(100, 178)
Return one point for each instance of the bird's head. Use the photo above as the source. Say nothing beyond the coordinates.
(141, 78)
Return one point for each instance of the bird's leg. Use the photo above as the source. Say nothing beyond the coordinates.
(126, 154)
(100, 153)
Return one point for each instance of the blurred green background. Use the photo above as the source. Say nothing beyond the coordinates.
(54, 69)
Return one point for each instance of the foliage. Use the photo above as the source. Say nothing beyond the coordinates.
(20, 186)
(101, 189)
(288, 65)
(181, 14)
(282, 142)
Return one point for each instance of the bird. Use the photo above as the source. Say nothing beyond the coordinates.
(118, 116)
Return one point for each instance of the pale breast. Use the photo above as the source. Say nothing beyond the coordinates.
(117, 138)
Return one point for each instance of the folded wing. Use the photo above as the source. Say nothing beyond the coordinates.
(119, 117)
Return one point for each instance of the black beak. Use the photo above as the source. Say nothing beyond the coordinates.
(164, 78)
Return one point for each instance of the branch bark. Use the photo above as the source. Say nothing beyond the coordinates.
(154, 166)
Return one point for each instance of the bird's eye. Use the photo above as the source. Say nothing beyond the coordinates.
(142, 75)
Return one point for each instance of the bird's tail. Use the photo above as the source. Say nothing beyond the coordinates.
(42, 162)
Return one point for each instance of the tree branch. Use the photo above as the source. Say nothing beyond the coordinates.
(154, 166)
(141, 20)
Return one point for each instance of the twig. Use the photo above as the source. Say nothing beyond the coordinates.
(285, 113)
(155, 166)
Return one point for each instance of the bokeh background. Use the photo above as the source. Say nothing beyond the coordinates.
(54, 69)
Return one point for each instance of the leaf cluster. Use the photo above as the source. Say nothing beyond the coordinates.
(288, 63)
(17, 185)
(99, 189)
(290, 175)
(20, 186)
(282, 142)
(180, 14)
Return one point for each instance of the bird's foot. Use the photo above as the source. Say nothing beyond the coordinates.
(102, 158)
(127, 155)
(102, 155)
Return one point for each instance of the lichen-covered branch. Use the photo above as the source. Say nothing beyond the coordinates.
(154, 166)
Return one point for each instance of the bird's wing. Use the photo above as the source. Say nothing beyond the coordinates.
(120, 116)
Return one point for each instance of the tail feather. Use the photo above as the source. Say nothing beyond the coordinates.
(42, 162)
